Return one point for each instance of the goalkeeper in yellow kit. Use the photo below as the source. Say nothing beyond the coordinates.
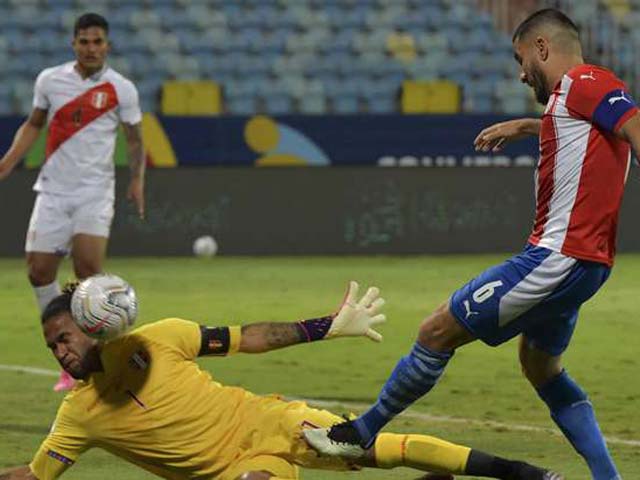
(143, 398)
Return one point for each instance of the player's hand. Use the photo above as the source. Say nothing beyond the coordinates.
(358, 317)
(135, 193)
(495, 137)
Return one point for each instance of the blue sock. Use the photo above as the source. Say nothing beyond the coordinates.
(573, 413)
(414, 375)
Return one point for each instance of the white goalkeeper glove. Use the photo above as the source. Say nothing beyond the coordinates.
(356, 317)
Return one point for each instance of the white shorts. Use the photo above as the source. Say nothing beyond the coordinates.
(57, 218)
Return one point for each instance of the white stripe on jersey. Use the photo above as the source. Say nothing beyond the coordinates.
(535, 287)
(572, 140)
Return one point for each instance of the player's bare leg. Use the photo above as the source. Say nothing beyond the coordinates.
(441, 332)
(569, 406)
(42, 269)
(88, 253)
(537, 366)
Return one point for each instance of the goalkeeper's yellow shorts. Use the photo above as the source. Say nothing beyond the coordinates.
(273, 442)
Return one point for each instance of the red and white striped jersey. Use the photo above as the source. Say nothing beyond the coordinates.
(83, 119)
(583, 167)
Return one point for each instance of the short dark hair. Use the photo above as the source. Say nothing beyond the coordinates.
(60, 304)
(88, 20)
(547, 16)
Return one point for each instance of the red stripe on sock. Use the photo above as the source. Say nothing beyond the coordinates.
(78, 113)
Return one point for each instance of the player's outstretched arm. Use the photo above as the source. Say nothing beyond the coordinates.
(23, 140)
(20, 473)
(355, 317)
(497, 135)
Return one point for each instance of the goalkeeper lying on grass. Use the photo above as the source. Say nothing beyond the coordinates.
(143, 398)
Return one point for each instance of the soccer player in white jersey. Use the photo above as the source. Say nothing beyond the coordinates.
(82, 102)
(589, 124)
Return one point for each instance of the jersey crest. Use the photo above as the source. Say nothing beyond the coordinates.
(99, 100)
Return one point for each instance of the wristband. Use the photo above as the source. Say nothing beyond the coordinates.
(315, 328)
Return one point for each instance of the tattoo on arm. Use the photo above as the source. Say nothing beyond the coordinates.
(263, 337)
(135, 147)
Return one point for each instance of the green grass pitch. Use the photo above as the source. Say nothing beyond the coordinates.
(481, 384)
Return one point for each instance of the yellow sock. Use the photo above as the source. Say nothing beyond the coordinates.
(422, 452)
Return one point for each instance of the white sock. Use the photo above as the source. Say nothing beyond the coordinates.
(46, 293)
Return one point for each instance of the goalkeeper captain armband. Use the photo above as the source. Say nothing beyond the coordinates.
(219, 340)
(315, 328)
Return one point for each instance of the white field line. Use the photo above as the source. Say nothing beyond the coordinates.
(326, 403)
(45, 372)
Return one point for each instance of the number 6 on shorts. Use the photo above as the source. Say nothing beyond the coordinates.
(486, 291)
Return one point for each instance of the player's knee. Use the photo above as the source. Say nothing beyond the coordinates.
(40, 274)
(85, 268)
(437, 331)
(537, 367)
(540, 374)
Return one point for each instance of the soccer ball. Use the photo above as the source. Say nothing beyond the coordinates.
(104, 306)
(205, 246)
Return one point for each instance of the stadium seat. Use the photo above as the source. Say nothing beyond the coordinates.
(380, 104)
(313, 104)
(242, 106)
(344, 104)
(143, 19)
(278, 104)
(23, 97)
(430, 97)
(191, 98)
(479, 104)
(58, 5)
(513, 105)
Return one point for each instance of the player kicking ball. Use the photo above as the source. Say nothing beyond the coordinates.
(587, 130)
(143, 397)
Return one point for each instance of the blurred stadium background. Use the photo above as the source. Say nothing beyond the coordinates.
(347, 83)
(308, 56)
(348, 86)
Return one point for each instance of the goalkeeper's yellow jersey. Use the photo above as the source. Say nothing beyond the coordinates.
(153, 406)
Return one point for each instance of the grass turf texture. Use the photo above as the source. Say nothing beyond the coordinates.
(481, 383)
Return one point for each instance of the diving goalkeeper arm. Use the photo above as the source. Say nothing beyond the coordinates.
(355, 317)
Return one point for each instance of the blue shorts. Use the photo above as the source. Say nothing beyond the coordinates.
(537, 292)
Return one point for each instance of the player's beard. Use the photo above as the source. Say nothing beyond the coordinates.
(78, 371)
(538, 82)
(84, 364)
